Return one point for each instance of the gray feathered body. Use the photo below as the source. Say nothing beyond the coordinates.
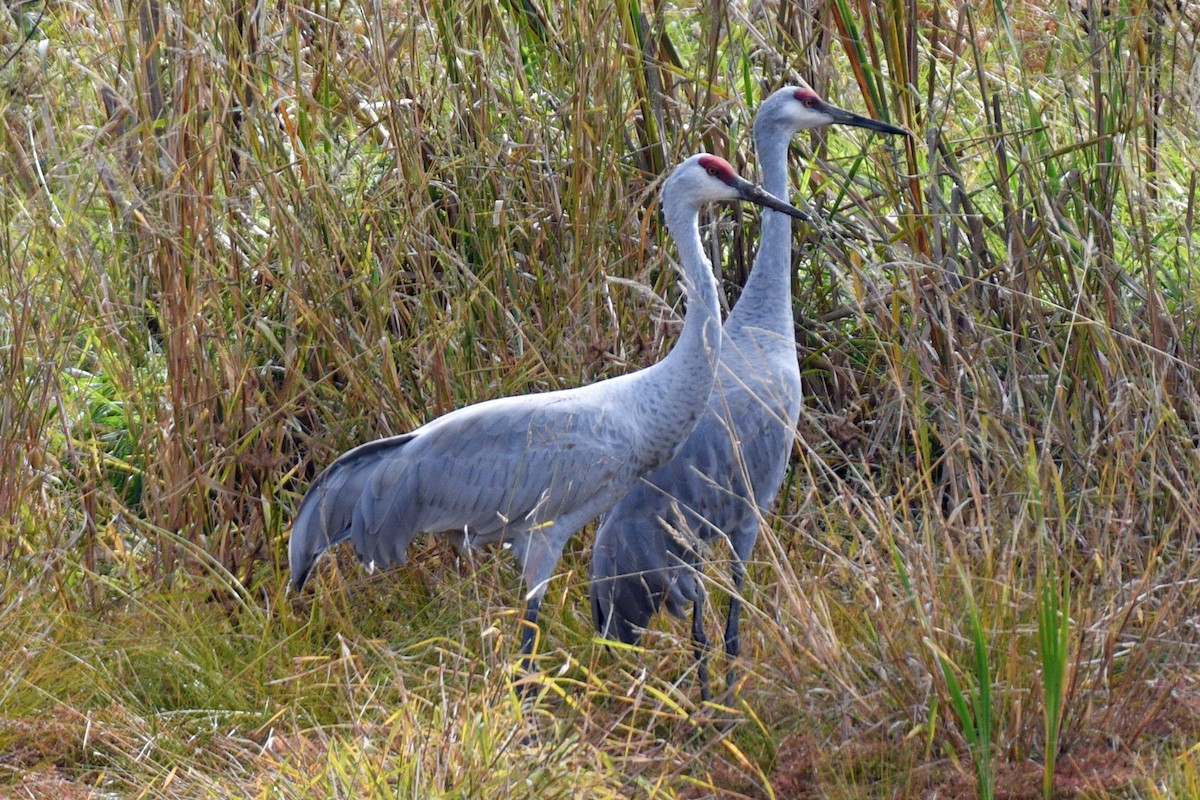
(531, 470)
(649, 549)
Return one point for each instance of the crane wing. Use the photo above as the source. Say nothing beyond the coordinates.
(503, 466)
(327, 511)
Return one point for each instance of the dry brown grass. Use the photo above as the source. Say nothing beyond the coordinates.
(240, 240)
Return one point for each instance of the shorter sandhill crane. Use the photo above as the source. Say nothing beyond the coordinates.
(650, 549)
(531, 470)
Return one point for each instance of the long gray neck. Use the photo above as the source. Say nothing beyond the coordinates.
(672, 394)
(766, 300)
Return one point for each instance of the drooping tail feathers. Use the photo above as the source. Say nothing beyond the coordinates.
(634, 574)
(326, 514)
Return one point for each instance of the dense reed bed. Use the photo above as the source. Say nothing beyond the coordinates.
(241, 239)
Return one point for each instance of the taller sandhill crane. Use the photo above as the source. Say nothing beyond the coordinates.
(531, 470)
(649, 549)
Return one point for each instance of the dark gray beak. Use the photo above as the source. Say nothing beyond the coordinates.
(842, 117)
(753, 193)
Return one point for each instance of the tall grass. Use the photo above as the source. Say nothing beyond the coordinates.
(241, 239)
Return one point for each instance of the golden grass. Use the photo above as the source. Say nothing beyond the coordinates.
(239, 240)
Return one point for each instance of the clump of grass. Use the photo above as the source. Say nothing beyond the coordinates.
(1054, 632)
(974, 711)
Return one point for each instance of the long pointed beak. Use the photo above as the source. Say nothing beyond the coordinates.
(842, 117)
(752, 193)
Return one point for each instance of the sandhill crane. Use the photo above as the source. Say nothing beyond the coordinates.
(530, 470)
(649, 549)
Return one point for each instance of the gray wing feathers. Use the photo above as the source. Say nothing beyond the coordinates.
(484, 471)
(631, 574)
(327, 512)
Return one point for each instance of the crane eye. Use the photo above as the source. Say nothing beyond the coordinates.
(712, 171)
(809, 102)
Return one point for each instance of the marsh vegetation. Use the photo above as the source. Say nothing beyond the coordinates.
(238, 240)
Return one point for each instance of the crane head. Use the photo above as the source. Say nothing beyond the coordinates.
(799, 108)
(706, 178)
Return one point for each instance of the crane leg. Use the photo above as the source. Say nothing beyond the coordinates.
(529, 630)
(537, 553)
(733, 644)
(700, 643)
(529, 639)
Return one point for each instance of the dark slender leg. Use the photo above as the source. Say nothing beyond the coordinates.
(700, 643)
(733, 643)
(529, 635)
